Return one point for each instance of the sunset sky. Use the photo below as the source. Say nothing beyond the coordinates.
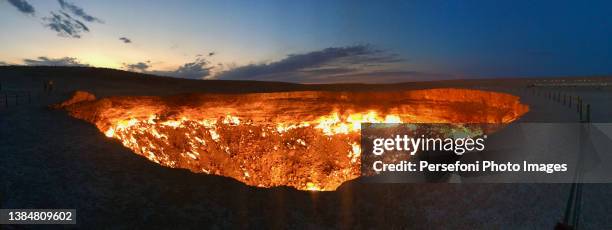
(313, 41)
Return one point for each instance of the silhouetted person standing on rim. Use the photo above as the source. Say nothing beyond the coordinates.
(48, 86)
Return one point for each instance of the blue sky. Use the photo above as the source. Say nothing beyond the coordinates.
(314, 41)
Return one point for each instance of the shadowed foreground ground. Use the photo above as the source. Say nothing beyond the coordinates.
(50, 160)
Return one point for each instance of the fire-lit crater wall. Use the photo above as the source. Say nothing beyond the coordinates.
(308, 140)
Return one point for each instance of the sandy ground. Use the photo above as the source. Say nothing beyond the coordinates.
(50, 160)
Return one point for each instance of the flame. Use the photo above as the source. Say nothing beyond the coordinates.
(148, 136)
(334, 124)
(307, 140)
(110, 132)
(312, 187)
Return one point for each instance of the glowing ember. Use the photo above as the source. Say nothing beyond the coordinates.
(307, 140)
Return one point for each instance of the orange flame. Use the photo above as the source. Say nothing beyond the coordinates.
(307, 140)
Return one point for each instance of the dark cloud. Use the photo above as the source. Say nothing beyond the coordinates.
(3, 63)
(61, 22)
(138, 67)
(23, 6)
(46, 61)
(125, 40)
(198, 69)
(326, 63)
(65, 25)
(78, 11)
(209, 54)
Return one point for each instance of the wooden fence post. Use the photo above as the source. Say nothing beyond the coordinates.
(580, 111)
(588, 113)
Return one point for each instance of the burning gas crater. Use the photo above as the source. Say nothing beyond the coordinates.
(307, 140)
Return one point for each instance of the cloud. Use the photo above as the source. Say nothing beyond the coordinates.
(125, 40)
(3, 63)
(61, 22)
(23, 6)
(315, 65)
(64, 25)
(198, 69)
(137, 67)
(78, 11)
(46, 61)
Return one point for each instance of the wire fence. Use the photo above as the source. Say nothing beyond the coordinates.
(574, 103)
(566, 99)
(14, 98)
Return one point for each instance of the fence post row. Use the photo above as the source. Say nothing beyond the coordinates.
(574, 203)
(17, 96)
(585, 116)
